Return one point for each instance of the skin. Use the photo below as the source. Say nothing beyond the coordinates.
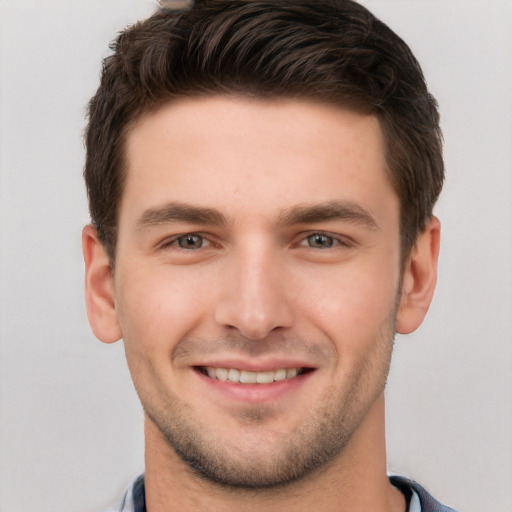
(260, 235)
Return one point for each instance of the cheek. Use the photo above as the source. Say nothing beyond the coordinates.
(156, 309)
(352, 306)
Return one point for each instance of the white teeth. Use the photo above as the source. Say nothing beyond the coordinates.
(234, 375)
(291, 372)
(264, 377)
(247, 377)
(221, 373)
(280, 375)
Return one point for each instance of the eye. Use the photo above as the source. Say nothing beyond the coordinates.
(190, 241)
(320, 241)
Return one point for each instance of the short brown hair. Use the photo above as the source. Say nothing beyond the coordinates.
(332, 51)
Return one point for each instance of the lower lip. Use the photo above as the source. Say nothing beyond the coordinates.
(255, 393)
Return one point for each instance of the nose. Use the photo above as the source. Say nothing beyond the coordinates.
(253, 298)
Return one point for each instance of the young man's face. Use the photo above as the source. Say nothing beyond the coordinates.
(257, 240)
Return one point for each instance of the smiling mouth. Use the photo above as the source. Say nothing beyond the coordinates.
(248, 377)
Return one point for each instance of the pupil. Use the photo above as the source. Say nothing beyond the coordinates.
(190, 242)
(321, 241)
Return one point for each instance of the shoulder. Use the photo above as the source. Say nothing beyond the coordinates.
(428, 502)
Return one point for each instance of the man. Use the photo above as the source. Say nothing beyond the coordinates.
(261, 178)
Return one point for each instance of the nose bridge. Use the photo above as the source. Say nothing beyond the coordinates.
(254, 299)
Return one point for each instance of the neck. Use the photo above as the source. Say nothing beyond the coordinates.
(355, 481)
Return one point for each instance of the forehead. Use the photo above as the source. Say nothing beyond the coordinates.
(252, 157)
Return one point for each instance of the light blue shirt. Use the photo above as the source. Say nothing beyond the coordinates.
(133, 499)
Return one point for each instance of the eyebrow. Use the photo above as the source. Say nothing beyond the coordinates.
(300, 214)
(332, 210)
(181, 212)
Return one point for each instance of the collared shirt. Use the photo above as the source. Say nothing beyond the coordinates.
(134, 498)
(414, 504)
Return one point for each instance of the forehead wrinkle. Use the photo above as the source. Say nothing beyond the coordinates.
(332, 210)
(181, 212)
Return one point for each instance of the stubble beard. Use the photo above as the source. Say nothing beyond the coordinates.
(322, 436)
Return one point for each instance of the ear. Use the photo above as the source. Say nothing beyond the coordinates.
(419, 279)
(99, 288)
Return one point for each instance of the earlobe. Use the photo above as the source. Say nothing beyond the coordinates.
(419, 279)
(99, 288)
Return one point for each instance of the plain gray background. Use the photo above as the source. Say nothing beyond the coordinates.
(71, 426)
